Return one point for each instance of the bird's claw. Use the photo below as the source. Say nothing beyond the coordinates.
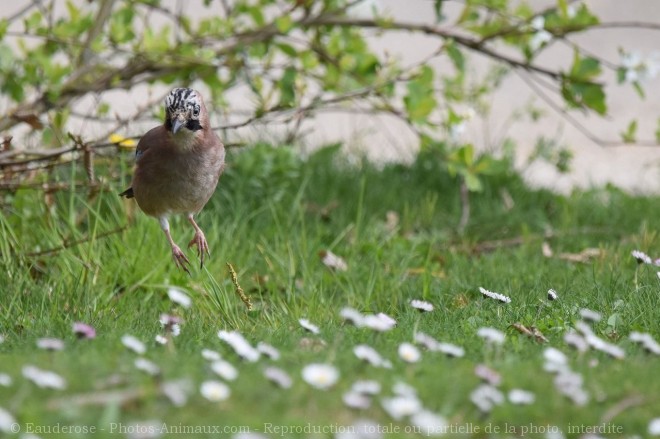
(180, 259)
(199, 240)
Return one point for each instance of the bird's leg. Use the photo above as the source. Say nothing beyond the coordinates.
(199, 240)
(179, 257)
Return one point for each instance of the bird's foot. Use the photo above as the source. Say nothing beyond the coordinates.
(180, 259)
(199, 240)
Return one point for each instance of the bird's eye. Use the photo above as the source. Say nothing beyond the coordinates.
(195, 112)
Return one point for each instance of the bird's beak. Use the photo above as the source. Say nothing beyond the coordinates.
(178, 122)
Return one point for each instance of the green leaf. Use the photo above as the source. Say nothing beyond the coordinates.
(4, 24)
(287, 86)
(437, 8)
(584, 95)
(420, 100)
(456, 56)
(284, 23)
(473, 182)
(657, 132)
(584, 68)
(630, 134)
(288, 49)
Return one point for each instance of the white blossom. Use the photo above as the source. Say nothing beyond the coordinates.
(541, 36)
(421, 305)
(44, 378)
(5, 380)
(654, 427)
(214, 390)
(429, 423)
(491, 335)
(133, 344)
(240, 345)
(493, 295)
(485, 397)
(552, 294)
(224, 370)
(321, 376)
(50, 344)
(268, 350)
(647, 341)
(211, 355)
(179, 297)
(399, 407)
(639, 69)
(521, 397)
(409, 353)
(353, 316)
(356, 400)
(371, 356)
(278, 376)
(309, 326)
(366, 387)
(146, 366)
(379, 322)
(7, 421)
(590, 315)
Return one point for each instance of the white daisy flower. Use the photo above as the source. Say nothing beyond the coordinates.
(240, 345)
(224, 370)
(133, 344)
(490, 376)
(590, 315)
(402, 389)
(426, 340)
(429, 423)
(555, 360)
(647, 341)
(601, 345)
(179, 297)
(160, 339)
(552, 295)
(210, 355)
(321, 376)
(497, 296)
(268, 351)
(7, 422)
(491, 335)
(5, 380)
(214, 391)
(278, 376)
(569, 384)
(50, 344)
(575, 340)
(366, 387)
(521, 397)
(451, 350)
(654, 427)
(309, 326)
(641, 257)
(44, 378)
(177, 391)
(399, 407)
(421, 305)
(409, 353)
(486, 397)
(356, 400)
(352, 316)
(147, 366)
(370, 355)
(380, 322)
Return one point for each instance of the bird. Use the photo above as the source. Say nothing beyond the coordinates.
(177, 168)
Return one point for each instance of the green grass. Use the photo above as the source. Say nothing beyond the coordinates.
(271, 216)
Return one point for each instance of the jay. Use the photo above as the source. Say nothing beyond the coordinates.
(178, 165)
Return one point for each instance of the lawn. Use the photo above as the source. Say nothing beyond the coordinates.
(75, 256)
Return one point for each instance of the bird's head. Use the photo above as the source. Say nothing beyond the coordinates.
(184, 109)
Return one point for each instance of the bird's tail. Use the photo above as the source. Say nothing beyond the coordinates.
(128, 193)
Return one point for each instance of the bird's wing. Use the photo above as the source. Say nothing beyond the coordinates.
(152, 138)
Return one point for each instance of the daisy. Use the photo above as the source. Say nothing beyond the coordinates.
(491, 335)
(569, 384)
(240, 345)
(210, 355)
(83, 330)
(421, 305)
(521, 397)
(496, 296)
(333, 261)
(214, 391)
(356, 400)
(160, 339)
(147, 366)
(8, 422)
(44, 378)
(366, 387)
(590, 315)
(307, 325)
(486, 397)
(179, 297)
(224, 370)
(5, 380)
(321, 376)
(133, 344)
(268, 351)
(352, 316)
(402, 389)
(380, 322)
(177, 391)
(451, 350)
(278, 376)
(552, 295)
(490, 376)
(601, 345)
(426, 340)
(429, 423)
(647, 342)
(50, 344)
(409, 353)
(575, 340)
(555, 360)
(654, 427)
(399, 407)
(370, 355)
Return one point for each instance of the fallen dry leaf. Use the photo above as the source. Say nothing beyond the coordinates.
(532, 332)
(584, 256)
